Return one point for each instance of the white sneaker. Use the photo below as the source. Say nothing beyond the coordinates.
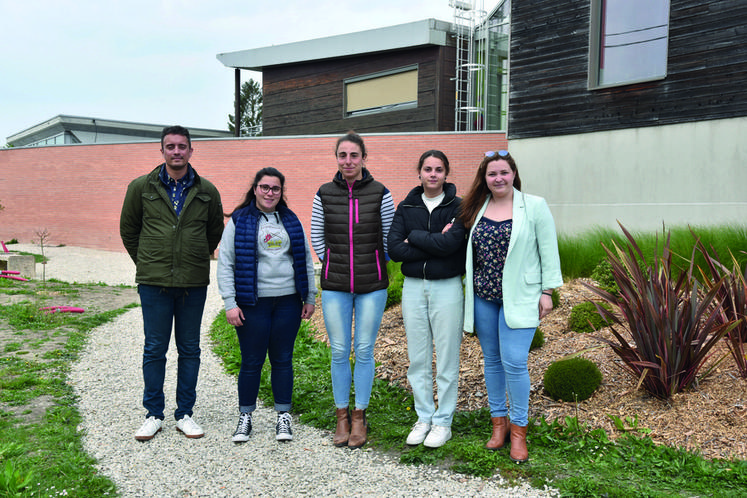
(189, 427)
(418, 433)
(149, 429)
(438, 436)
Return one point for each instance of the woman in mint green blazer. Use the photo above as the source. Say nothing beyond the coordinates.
(512, 267)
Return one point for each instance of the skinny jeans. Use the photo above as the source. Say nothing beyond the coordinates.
(270, 329)
(338, 308)
(506, 352)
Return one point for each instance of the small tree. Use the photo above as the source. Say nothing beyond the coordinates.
(43, 235)
(250, 105)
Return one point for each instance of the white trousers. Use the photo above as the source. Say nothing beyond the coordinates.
(432, 311)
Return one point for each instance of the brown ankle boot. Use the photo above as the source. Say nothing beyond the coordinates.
(342, 432)
(500, 433)
(358, 429)
(519, 452)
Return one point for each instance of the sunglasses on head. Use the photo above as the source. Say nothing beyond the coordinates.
(493, 153)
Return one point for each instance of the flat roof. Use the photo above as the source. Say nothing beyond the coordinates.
(63, 122)
(409, 35)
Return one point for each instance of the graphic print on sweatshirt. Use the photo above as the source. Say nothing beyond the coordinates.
(272, 237)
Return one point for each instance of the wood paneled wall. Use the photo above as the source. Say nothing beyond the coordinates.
(706, 70)
(307, 98)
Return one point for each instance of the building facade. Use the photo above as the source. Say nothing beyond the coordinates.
(631, 111)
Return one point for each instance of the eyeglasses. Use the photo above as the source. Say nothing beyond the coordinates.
(266, 189)
(500, 153)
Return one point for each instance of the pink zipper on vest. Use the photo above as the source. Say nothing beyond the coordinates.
(326, 265)
(352, 215)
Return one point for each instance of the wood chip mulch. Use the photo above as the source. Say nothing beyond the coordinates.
(711, 418)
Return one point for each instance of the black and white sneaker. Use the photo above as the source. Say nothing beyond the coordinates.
(283, 430)
(243, 429)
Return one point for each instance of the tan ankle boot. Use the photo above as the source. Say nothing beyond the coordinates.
(358, 429)
(500, 433)
(519, 452)
(342, 431)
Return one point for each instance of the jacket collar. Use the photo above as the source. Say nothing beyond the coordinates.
(188, 179)
(366, 178)
(415, 195)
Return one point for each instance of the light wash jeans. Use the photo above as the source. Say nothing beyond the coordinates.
(433, 312)
(506, 351)
(338, 319)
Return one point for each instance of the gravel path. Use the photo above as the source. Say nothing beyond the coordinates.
(108, 380)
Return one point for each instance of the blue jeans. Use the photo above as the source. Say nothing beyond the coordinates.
(505, 351)
(162, 307)
(271, 327)
(432, 311)
(338, 319)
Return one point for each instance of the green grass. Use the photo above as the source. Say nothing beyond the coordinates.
(580, 254)
(44, 456)
(577, 460)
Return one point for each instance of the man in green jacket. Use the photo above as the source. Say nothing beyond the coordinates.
(171, 222)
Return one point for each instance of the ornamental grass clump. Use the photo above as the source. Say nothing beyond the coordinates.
(731, 292)
(673, 321)
(572, 379)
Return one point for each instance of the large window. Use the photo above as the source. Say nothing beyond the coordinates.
(386, 91)
(59, 139)
(628, 41)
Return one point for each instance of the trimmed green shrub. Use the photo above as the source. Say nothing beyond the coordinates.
(538, 340)
(572, 379)
(602, 274)
(396, 279)
(585, 318)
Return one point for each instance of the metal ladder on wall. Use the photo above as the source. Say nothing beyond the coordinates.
(469, 109)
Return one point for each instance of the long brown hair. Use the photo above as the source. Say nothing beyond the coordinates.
(251, 196)
(479, 191)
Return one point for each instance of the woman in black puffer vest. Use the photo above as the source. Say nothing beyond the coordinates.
(350, 221)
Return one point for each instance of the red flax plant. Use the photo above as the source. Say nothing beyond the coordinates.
(732, 292)
(672, 321)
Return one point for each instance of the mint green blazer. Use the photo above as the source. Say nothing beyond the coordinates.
(532, 263)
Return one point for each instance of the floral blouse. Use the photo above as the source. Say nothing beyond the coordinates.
(490, 246)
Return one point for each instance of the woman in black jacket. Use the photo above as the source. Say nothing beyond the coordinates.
(429, 240)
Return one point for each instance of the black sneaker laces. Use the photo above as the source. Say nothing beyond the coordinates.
(284, 423)
(245, 422)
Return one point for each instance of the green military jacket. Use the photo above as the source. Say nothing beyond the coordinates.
(171, 251)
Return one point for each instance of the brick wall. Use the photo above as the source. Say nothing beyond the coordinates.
(76, 191)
